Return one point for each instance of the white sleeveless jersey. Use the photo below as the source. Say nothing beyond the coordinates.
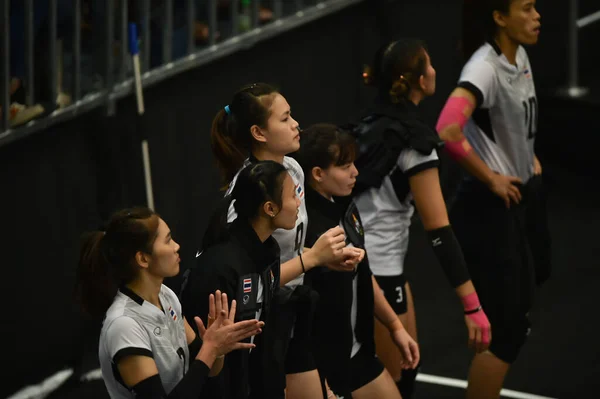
(503, 127)
(291, 242)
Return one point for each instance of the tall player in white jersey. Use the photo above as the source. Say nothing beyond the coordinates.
(257, 125)
(489, 125)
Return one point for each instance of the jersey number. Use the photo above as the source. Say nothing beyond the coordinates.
(299, 233)
(531, 114)
(400, 296)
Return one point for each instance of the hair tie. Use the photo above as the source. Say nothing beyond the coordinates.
(227, 110)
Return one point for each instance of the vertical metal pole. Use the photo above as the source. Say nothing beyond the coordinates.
(146, 35)
(29, 51)
(124, 40)
(573, 44)
(52, 50)
(147, 174)
(212, 22)
(77, 50)
(255, 13)
(110, 35)
(167, 31)
(5, 64)
(191, 25)
(277, 9)
(235, 17)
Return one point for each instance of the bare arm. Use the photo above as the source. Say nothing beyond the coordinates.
(382, 309)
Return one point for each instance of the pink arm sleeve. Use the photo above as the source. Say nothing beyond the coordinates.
(454, 114)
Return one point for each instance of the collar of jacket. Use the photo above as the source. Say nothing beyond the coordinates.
(263, 254)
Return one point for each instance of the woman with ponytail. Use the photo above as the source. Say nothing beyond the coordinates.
(242, 260)
(489, 126)
(398, 170)
(147, 349)
(257, 125)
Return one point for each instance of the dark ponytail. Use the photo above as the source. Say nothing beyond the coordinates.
(230, 137)
(478, 25)
(107, 258)
(396, 69)
(256, 184)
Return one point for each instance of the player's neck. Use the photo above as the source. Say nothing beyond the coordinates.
(508, 47)
(320, 190)
(147, 287)
(416, 96)
(262, 227)
(262, 154)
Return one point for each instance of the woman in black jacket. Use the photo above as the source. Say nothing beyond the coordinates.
(242, 260)
(344, 329)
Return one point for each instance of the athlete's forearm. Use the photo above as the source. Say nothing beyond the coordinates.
(382, 309)
(476, 167)
(297, 266)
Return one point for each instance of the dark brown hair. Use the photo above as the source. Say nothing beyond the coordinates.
(324, 145)
(396, 69)
(256, 184)
(107, 258)
(230, 136)
(478, 24)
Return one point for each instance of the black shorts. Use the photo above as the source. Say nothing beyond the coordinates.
(299, 357)
(394, 291)
(365, 366)
(497, 250)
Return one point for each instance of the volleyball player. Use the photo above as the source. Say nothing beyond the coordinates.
(242, 260)
(344, 329)
(489, 124)
(147, 349)
(408, 170)
(257, 125)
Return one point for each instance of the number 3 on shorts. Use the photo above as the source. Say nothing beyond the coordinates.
(400, 295)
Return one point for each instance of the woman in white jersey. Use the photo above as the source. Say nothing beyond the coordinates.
(489, 124)
(147, 349)
(257, 125)
(406, 158)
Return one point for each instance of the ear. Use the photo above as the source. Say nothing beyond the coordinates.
(422, 84)
(499, 19)
(142, 259)
(258, 134)
(317, 174)
(271, 209)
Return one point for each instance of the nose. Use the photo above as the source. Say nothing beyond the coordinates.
(177, 246)
(296, 124)
(354, 170)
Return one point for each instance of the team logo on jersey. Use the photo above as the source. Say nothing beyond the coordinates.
(157, 332)
(247, 285)
(172, 313)
(299, 191)
(245, 299)
(357, 225)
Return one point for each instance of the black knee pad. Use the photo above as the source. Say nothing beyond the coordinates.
(406, 385)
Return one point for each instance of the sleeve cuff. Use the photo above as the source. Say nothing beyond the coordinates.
(473, 89)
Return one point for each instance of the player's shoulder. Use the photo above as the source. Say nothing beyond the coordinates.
(294, 169)
(483, 61)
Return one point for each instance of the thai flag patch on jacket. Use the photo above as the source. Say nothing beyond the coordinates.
(247, 285)
(172, 313)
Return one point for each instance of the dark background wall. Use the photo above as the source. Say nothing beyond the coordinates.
(68, 179)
